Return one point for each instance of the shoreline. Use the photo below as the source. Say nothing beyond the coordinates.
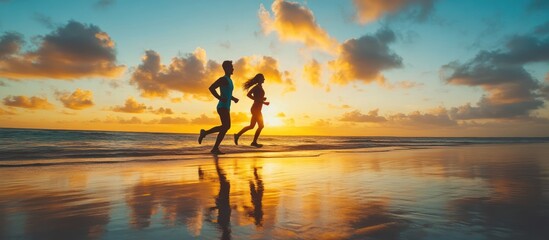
(397, 194)
(229, 155)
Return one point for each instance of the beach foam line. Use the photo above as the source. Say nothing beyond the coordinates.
(229, 155)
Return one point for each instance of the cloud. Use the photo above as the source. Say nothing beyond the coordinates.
(133, 120)
(45, 20)
(312, 72)
(118, 120)
(511, 91)
(294, 22)
(161, 111)
(104, 3)
(436, 117)
(27, 102)
(545, 92)
(364, 58)
(356, 116)
(543, 29)
(78, 100)
(239, 117)
(175, 100)
(289, 122)
(10, 43)
(371, 10)
(191, 74)
(344, 106)
(6, 112)
(403, 85)
(70, 52)
(173, 120)
(247, 67)
(539, 5)
(289, 83)
(205, 120)
(130, 106)
(226, 45)
(319, 123)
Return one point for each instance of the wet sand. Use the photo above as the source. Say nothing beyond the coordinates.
(498, 191)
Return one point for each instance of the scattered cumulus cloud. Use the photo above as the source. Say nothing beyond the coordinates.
(10, 43)
(312, 71)
(72, 51)
(77, 100)
(193, 74)
(321, 123)
(239, 117)
(295, 22)
(510, 90)
(44, 20)
(247, 67)
(538, 5)
(176, 100)
(402, 85)
(130, 106)
(27, 102)
(357, 116)
(344, 106)
(439, 117)
(205, 120)
(372, 10)
(289, 83)
(173, 120)
(543, 29)
(6, 112)
(133, 120)
(364, 59)
(161, 111)
(104, 3)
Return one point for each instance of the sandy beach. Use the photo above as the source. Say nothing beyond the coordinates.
(498, 191)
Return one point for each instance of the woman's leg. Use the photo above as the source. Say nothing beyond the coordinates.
(259, 128)
(245, 129)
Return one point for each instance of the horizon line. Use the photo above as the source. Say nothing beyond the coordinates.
(281, 135)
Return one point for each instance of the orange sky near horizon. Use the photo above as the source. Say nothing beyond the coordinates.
(340, 68)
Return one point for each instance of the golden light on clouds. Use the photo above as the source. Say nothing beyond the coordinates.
(372, 10)
(72, 51)
(27, 102)
(294, 22)
(312, 72)
(77, 100)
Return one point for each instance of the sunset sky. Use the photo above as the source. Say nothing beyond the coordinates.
(345, 67)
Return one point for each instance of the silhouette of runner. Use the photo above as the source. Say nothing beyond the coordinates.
(258, 95)
(225, 85)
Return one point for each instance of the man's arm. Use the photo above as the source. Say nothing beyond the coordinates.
(234, 99)
(218, 83)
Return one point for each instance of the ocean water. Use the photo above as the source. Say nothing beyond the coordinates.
(478, 191)
(27, 147)
(166, 186)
